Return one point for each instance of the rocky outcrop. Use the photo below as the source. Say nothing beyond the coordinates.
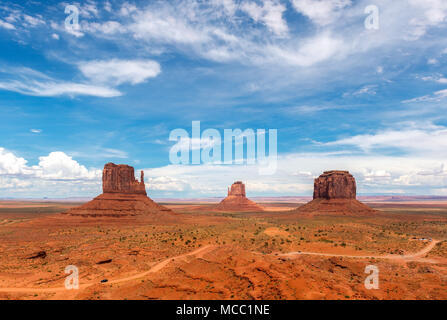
(335, 192)
(121, 179)
(237, 189)
(237, 201)
(122, 196)
(335, 185)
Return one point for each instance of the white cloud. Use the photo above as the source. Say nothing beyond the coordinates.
(310, 52)
(108, 6)
(10, 164)
(168, 184)
(88, 9)
(220, 30)
(117, 72)
(14, 184)
(107, 28)
(102, 76)
(229, 6)
(32, 21)
(35, 131)
(167, 25)
(431, 13)
(432, 61)
(435, 97)
(270, 13)
(411, 138)
(186, 144)
(6, 25)
(54, 89)
(59, 166)
(55, 175)
(127, 9)
(308, 109)
(322, 12)
(369, 89)
(436, 78)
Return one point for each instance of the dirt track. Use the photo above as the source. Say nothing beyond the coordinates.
(418, 256)
(157, 267)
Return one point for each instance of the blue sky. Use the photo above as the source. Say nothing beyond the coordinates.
(341, 96)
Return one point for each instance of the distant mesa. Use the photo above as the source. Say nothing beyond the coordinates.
(237, 201)
(335, 192)
(123, 196)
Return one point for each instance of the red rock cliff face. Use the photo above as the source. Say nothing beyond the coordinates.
(335, 185)
(121, 179)
(237, 189)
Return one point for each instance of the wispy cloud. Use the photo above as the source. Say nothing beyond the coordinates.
(54, 89)
(102, 78)
(421, 139)
(435, 97)
(322, 12)
(116, 72)
(6, 25)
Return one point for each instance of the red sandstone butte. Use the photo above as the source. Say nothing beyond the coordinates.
(237, 201)
(335, 192)
(123, 196)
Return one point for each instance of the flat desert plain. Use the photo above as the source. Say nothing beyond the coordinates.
(202, 254)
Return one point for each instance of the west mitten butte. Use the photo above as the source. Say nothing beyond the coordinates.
(123, 196)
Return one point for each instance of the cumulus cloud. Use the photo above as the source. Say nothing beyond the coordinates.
(59, 166)
(11, 164)
(57, 174)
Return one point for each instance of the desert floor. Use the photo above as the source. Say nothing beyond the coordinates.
(201, 254)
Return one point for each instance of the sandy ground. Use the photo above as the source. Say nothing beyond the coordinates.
(208, 255)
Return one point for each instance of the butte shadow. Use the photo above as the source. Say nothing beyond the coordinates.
(335, 193)
(123, 196)
(237, 201)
